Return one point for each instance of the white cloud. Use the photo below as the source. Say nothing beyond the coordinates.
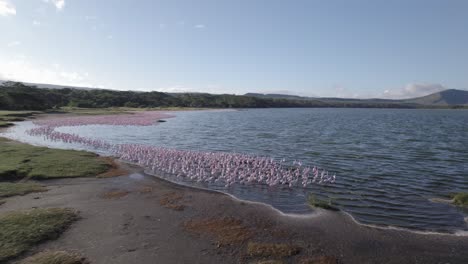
(22, 70)
(200, 26)
(59, 4)
(14, 44)
(413, 90)
(6, 8)
(110, 37)
(36, 23)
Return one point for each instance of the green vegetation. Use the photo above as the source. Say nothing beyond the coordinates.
(5, 124)
(22, 230)
(17, 96)
(26, 161)
(54, 257)
(271, 250)
(6, 117)
(8, 189)
(316, 202)
(460, 199)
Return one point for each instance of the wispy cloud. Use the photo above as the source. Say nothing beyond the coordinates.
(200, 26)
(14, 44)
(36, 23)
(413, 90)
(110, 37)
(59, 4)
(21, 69)
(6, 8)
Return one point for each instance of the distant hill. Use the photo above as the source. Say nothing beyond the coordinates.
(277, 96)
(451, 97)
(444, 98)
(52, 86)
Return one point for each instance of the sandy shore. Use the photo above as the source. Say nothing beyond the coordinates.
(140, 219)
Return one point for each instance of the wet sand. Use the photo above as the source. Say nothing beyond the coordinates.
(138, 218)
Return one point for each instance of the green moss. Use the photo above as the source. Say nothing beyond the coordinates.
(8, 189)
(271, 250)
(22, 230)
(54, 257)
(22, 160)
(460, 199)
(316, 202)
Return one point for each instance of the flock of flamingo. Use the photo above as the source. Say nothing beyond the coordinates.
(209, 167)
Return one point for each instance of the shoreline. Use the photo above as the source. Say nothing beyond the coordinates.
(316, 212)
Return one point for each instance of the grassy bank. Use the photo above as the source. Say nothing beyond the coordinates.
(7, 117)
(22, 230)
(21, 161)
(8, 189)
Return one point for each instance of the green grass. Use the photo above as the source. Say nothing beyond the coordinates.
(20, 231)
(316, 202)
(54, 257)
(8, 189)
(20, 161)
(5, 124)
(460, 199)
(17, 113)
(271, 250)
(6, 117)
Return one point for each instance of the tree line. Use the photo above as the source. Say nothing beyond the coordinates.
(18, 96)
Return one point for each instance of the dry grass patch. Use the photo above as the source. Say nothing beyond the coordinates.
(22, 230)
(271, 250)
(115, 194)
(55, 257)
(269, 262)
(227, 231)
(172, 201)
(114, 169)
(146, 189)
(319, 260)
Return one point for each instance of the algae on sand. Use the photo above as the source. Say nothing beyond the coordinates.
(460, 199)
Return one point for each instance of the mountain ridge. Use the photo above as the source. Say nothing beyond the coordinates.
(449, 97)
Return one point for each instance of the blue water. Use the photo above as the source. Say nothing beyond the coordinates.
(388, 163)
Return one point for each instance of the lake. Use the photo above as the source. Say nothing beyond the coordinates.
(389, 162)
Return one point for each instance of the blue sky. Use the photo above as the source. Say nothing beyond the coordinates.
(359, 48)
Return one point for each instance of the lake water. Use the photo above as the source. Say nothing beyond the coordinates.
(388, 163)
